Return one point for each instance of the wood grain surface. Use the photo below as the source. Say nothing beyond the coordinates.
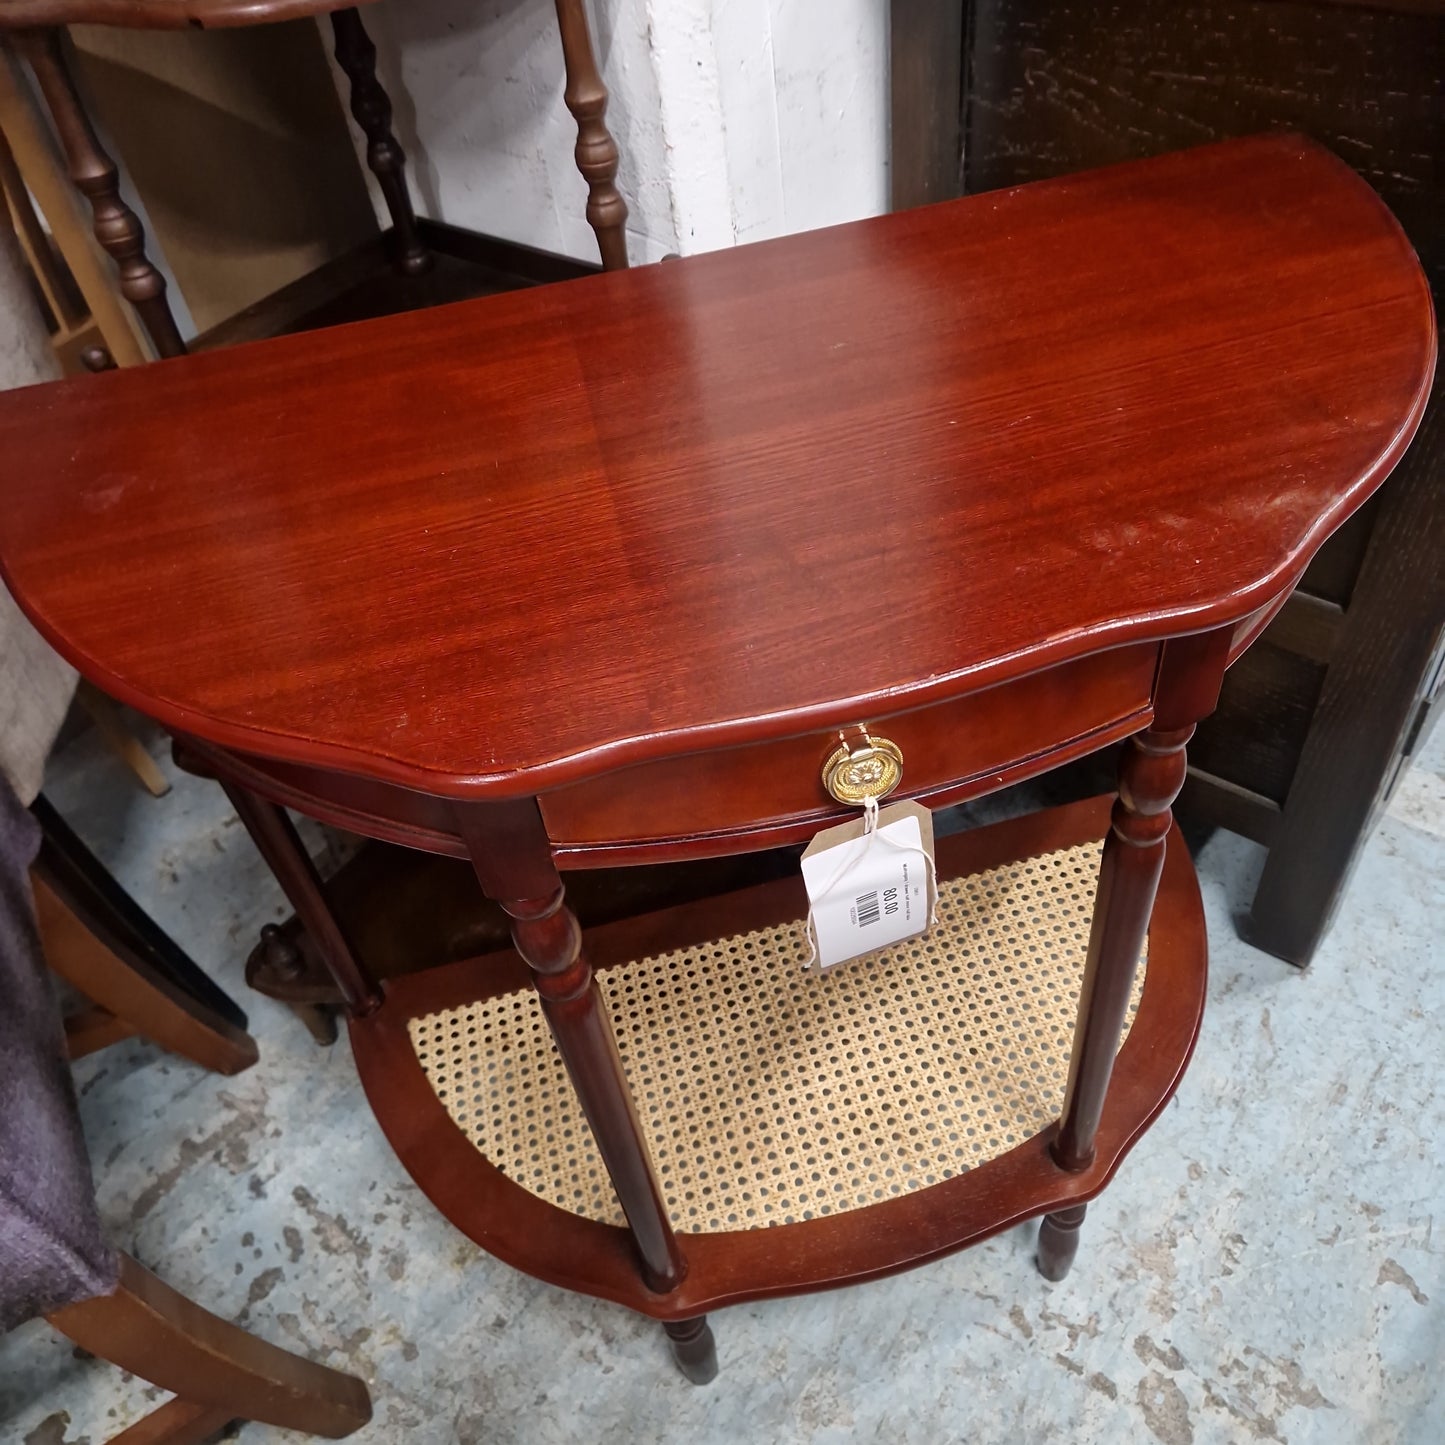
(497, 547)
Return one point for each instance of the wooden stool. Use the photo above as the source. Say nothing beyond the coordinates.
(995, 483)
(35, 28)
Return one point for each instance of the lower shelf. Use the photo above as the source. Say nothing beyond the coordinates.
(808, 1129)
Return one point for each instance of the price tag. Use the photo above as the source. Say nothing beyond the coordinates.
(870, 886)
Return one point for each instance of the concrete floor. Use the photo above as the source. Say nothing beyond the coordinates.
(1263, 1268)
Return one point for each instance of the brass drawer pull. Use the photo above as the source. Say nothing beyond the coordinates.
(866, 768)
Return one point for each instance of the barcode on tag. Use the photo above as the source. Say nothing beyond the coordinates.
(867, 909)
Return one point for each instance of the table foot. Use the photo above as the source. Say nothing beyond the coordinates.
(1059, 1242)
(694, 1348)
(278, 968)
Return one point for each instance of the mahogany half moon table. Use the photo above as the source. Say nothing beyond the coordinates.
(604, 572)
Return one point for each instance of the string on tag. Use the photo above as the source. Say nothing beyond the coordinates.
(856, 856)
(870, 815)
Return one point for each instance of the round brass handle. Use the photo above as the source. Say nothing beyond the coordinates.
(868, 768)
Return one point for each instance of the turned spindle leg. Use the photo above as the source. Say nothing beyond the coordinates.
(586, 98)
(371, 106)
(1151, 774)
(548, 937)
(117, 227)
(275, 839)
(693, 1348)
(513, 861)
(1059, 1241)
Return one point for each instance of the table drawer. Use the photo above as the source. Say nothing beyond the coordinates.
(773, 792)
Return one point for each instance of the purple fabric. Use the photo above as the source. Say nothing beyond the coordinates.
(52, 1249)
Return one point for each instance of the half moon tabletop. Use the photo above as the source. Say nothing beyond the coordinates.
(949, 447)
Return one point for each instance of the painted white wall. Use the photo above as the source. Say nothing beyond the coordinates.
(736, 119)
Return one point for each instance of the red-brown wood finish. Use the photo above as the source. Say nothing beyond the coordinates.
(949, 749)
(756, 796)
(1059, 1240)
(741, 496)
(508, 847)
(602, 569)
(583, 1255)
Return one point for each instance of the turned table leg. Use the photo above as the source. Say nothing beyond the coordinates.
(548, 937)
(596, 152)
(371, 106)
(1151, 774)
(512, 858)
(117, 227)
(275, 838)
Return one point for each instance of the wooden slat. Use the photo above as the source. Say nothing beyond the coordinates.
(1307, 625)
(1209, 799)
(91, 1029)
(54, 284)
(177, 1422)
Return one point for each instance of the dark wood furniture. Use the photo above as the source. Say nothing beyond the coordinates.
(600, 576)
(1316, 726)
(36, 31)
(135, 977)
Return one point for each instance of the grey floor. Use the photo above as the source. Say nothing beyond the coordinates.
(1263, 1268)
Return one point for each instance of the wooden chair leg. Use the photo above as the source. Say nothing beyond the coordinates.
(92, 1029)
(117, 227)
(693, 1348)
(371, 106)
(177, 1422)
(106, 716)
(97, 939)
(586, 98)
(146, 1327)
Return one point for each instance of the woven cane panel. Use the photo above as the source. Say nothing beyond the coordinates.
(771, 1093)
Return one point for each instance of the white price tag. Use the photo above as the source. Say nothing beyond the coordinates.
(870, 888)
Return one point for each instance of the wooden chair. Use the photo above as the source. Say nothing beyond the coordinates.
(54, 1257)
(138, 981)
